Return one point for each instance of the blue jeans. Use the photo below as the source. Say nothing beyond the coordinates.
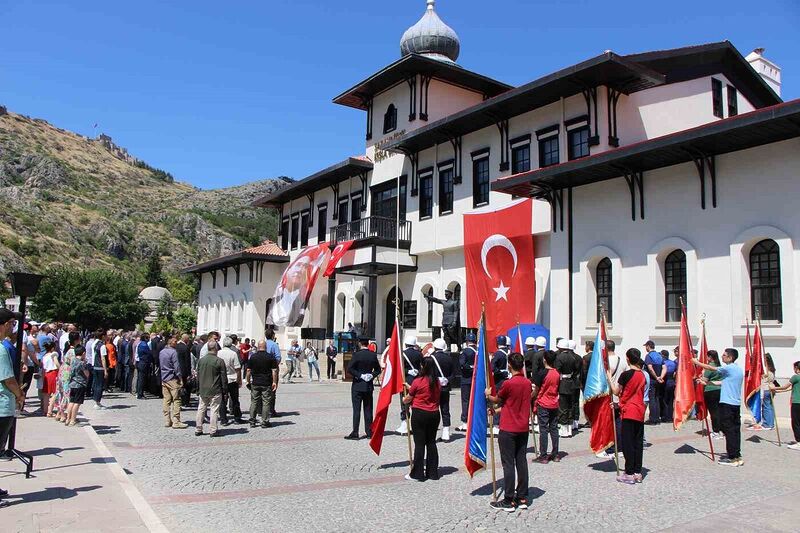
(313, 365)
(98, 384)
(767, 410)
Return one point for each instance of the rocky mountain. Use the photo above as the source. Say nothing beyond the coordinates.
(67, 198)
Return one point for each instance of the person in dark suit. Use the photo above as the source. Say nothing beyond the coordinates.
(467, 363)
(412, 363)
(185, 362)
(364, 367)
(444, 364)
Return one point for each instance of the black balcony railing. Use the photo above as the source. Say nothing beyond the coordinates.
(371, 227)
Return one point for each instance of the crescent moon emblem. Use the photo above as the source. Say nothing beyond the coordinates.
(493, 241)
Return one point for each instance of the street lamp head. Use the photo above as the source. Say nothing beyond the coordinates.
(24, 284)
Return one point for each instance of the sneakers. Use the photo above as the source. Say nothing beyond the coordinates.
(716, 436)
(603, 455)
(725, 461)
(521, 503)
(179, 425)
(265, 425)
(402, 428)
(755, 427)
(504, 505)
(625, 478)
(99, 406)
(638, 478)
(795, 446)
(198, 432)
(462, 427)
(445, 434)
(555, 458)
(408, 477)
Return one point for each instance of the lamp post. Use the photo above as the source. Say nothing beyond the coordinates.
(25, 286)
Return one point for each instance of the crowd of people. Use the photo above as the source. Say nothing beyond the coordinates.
(538, 390)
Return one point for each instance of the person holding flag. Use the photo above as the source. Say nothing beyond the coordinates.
(466, 361)
(730, 402)
(423, 396)
(514, 398)
(630, 390)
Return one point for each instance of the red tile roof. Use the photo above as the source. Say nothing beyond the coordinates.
(266, 248)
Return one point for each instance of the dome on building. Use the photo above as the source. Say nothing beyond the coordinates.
(431, 37)
(154, 294)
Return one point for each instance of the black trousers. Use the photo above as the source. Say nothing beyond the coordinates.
(362, 399)
(548, 426)
(5, 429)
(512, 454)
(186, 391)
(466, 390)
(668, 403)
(331, 370)
(424, 425)
(233, 407)
(731, 423)
(712, 403)
(565, 409)
(655, 397)
(444, 406)
(143, 371)
(632, 444)
(576, 405)
(796, 421)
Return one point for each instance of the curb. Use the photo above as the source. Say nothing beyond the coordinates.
(146, 513)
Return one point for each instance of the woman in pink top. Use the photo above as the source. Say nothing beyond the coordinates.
(424, 399)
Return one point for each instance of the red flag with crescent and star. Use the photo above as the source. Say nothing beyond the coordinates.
(499, 259)
(336, 256)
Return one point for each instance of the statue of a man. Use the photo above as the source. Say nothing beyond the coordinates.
(451, 317)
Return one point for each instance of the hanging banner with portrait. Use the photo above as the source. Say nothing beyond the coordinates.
(296, 285)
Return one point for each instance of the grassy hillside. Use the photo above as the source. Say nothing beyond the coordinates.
(66, 198)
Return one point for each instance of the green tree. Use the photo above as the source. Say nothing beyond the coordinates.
(154, 276)
(95, 298)
(182, 287)
(164, 308)
(161, 324)
(184, 319)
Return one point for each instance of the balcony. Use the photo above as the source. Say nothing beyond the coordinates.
(373, 231)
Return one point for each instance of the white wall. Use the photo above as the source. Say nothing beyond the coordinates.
(716, 242)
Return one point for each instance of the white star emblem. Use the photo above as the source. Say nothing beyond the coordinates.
(501, 292)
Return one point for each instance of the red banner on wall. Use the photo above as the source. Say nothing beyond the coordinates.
(296, 285)
(336, 256)
(499, 259)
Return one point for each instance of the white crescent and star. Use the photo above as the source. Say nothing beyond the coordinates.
(491, 242)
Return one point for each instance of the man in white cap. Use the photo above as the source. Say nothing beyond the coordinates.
(530, 350)
(412, 360)
(569, 370)
(444, 365)
(466, 362)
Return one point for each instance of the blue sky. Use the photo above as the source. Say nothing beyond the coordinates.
(223, 93)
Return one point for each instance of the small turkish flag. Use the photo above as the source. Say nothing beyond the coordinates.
(336, 256)
(499, 258)
(392, 383)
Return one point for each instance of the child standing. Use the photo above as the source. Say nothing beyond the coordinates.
(50, 367)
(545, 390)
(79, 376)
(794, 386)
(630, 390)
(514, 397)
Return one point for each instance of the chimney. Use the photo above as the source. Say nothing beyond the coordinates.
(766, 68)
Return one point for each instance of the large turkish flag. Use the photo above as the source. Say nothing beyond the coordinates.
(499, 259)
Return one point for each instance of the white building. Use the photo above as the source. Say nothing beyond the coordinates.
(656, 176)
(236, 290)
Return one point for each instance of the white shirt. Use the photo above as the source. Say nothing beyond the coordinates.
(616, 366)
(63, 342)
(232, 363)
(49, 361)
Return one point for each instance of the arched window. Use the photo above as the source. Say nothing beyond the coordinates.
(602, 284)
(429, 323)
(674, 285)
(390, 119)
(765, 281)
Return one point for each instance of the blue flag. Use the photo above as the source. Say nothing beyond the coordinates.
(477, 419)
(596, 393)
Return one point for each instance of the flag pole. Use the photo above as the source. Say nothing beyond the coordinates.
(708, 429)
(525, 369)
(610, 392)
(490, 416)
(397, 314)
(771, 393)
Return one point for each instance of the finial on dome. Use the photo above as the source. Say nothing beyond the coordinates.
(431, 37)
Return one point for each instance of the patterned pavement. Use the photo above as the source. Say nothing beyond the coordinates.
(301, 475)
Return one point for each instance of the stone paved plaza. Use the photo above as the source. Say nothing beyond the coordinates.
(300, 475)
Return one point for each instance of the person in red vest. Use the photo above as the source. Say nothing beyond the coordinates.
(630, 390)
